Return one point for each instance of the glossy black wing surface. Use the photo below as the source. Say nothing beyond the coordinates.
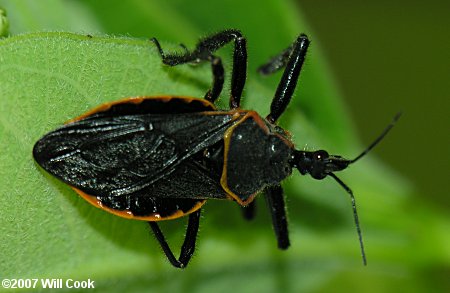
(118, 153)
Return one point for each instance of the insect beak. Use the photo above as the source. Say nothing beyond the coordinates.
(336, 163)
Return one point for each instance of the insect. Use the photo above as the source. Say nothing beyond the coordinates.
(161, 158)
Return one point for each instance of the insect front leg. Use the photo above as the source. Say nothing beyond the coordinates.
(292, 58)
(188, 247)
(204, 52)
(275, 201)
(277, 62)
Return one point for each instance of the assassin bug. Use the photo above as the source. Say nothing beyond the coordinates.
(160, 158)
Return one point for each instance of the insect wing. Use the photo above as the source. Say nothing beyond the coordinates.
(132, 154)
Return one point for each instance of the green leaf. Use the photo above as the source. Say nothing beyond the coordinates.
(47, 78)
(46, 15)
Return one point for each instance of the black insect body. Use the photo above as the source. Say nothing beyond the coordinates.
(160, 158)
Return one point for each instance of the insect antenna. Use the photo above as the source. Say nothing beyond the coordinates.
(379, 138)
(355, 216)
(349, 191)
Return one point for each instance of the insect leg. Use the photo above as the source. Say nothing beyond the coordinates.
(275, 201)
(188, 247)
(292, 58)
(203, 52)
(249, 211)
(239, 74)
(218, 79)
(277, 62)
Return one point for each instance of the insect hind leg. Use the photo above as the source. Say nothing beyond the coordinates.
(188, 247)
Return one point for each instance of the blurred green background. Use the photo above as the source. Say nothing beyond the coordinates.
(378, 57)
(388, 56)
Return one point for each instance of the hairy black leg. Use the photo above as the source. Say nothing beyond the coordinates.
(239, 74)
(275, 201)
(277, 62)
(249, 211)
(204, 52)
(293, 58)
(188, 247)
(218, 79)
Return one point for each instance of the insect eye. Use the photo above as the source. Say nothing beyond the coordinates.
(320, 155)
